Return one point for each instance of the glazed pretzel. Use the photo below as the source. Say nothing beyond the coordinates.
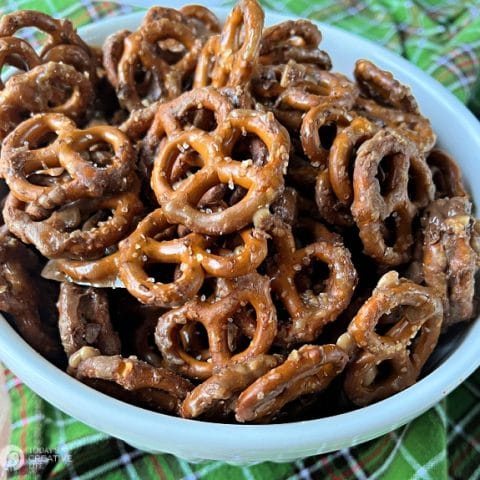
(383, 87)
(414, 126)
(225, 386)
(81, 177)
(313, 121)
(20, 290)
(130, 373)
(446, 175)
(296, 40)
(235, 51)
(204, 21)
(405, 347)
(310, 369)
(310, 310)
(77, 230)
(213, 156)
(51, 87)
(449, 260)
(407, 186)
(17, 53)
(215, 314)
(101, 273)
(84, 319)
(164, 79)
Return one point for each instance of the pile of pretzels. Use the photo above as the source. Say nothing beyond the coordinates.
(206, 221)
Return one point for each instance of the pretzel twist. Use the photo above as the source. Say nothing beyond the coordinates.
(215, 314)
(407, 186)
(310, 369)
(418, 320)
(213, 156)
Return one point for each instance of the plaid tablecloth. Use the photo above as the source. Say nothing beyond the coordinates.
(441, 37)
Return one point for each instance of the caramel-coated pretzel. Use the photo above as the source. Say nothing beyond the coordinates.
(130, 373)
(50, 87)
(84, 319)
(21, 158)
(17, 53)
(407, 186)
(405, 347)
(449, 260)
(76, 230)
(213, 156)
(225, 386)
(215, 314)
(310, 311)
(310, 369)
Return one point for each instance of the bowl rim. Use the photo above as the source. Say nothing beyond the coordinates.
(95, 408)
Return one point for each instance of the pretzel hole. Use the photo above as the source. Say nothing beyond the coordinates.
(170, 50)
(251, 148)
(184, 165)
(96, 219)
(46, 139)
(162, 272)
(143, 80)
(327, 134)
(386, 174)
(417, 185)
(380, 374)
(194, 340)
(311, 280)
(202, 118)
(99, 154)
(59, 95)
(12, 65)
(390, 226)
(51, 176)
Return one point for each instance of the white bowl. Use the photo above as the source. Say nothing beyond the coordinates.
(459, 133)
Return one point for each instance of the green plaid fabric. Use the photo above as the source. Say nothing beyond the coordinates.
(443, 38)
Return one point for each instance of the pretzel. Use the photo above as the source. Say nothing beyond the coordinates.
(315, 147)
(384, 88)
(98, 175)
(205, 21)
(237, 54)
(446, 175)
(101, 273)
(396, 197)
(310, 369)
(76, 230)
(213, 156)
(17, 53)
(450, 261)
(310, 310)
(414, 126)
(214, 314)
(84, 319)
(404, 348)
(163, 80)
(20, 291)
(130, 373)
(224, 387)
(51, 87)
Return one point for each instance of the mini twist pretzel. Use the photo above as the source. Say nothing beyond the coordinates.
(414, 126)
(310, 369)
(205, 21)
(17, 53)
(296, 40)
(213, 156)
(223, 388)
(139, 51)
(237, 55)
(80, 178)
(77, 230)
(384, 88)
(404, 348)
(215, 314)
(310, 310)
(395, 199)
(130, 373)
(142, 248)
(84, 319)
(449, 260)
(446, 175)
(37, 90)
(313, 121)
